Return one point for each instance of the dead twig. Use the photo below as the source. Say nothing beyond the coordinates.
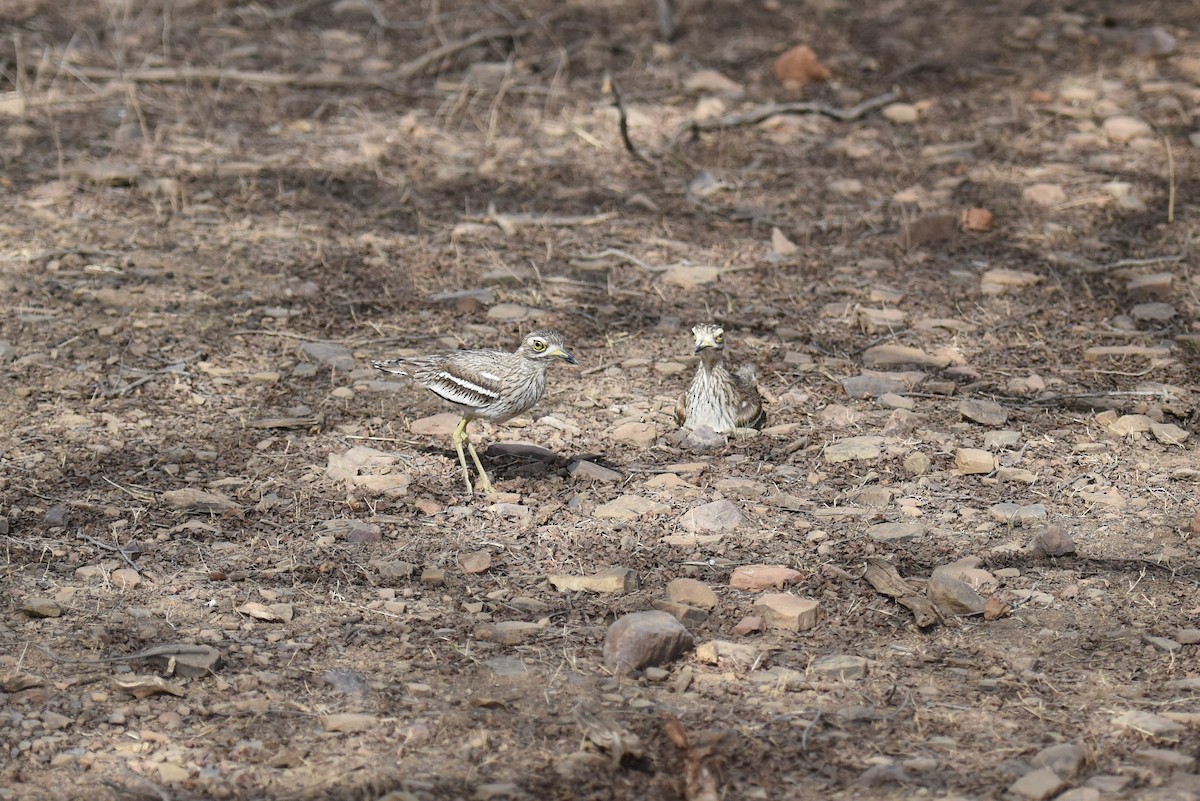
(114, 548)
(610, 86)
(1117, 265)
(764, 112)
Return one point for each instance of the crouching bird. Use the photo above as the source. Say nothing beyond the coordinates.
(490, 385)
(719, 399)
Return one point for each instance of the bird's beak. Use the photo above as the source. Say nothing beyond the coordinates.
(558, 352)
(706, 342)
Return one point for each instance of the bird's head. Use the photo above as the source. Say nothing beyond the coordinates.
(539, 345)
(709, 336)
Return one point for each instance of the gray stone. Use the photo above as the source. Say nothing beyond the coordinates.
(720, 515)
(872, 384)
(692, 592)
(685, 614)
(1155, 311)
(1165, 644)
(350, 682)
(629, 507)
(329, 354)
(42, 607)
(57, 515)
(895, 532)
(1064, 759)
(1080, 794)
(864, 448)
(7, 351)
(703, 438)
(581, 469)
(1037, 785)
(983, 412)
(740, 488)
(1164, 758)
(1055, 541)
(840, 667)
(644, 639)
(952, 595)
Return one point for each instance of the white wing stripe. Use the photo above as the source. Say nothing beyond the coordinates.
(459, 390)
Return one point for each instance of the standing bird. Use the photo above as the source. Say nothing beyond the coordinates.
(718, 398)
(486, 384)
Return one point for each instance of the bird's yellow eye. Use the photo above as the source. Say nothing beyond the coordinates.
(538, 345)
(720, 337)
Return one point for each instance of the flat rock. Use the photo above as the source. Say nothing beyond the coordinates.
(740, 488)
(1164, 758)
(984, 412)
(784, 611)
(510, 632)
(703, 438)
(748, 625)
(723, 515)
(436, 425)
(864, 448)
(686, 614)
(1164, 644)
(42, 607)
(630, 507)
(613, 580)
(644, 639)
(1150, 724)
(715, 652)
(1015, 514)
(475, 562)
(1044, 195)
(634, 433)
(917, 463)
(1000, 280)
(692, 592)
(896, 355)
(1124, 128)
(1037, 785)
(840, 667)
(973, 461)
(582, 469)
(1154, 311)
(952, 595)
(393, 485)
(272, 613)
(872, 385)
(348, 722)
(762, 577)
(1055, 541)
(1169, 433)
(690, 276)
(329, 354)
(197, 501)
(1065, 759)
(350, 682)
(895, 532)
(125, 578)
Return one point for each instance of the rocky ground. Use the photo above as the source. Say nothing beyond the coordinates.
(959, 561)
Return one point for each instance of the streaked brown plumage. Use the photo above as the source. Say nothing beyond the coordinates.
(490, 385)
(719, 399)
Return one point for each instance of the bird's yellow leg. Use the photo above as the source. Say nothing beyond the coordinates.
(484, 481)
(458, 437)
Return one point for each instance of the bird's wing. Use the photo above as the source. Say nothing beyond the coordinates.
(751, 413)
(469, 378)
